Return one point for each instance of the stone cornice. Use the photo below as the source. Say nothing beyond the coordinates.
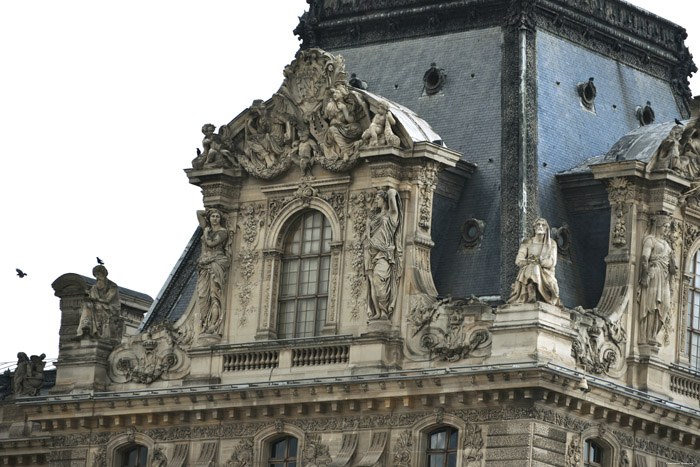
(489, 388)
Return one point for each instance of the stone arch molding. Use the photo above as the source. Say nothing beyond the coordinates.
(275, 234)
(470, 444)
(315, 118)
(130, 437)
(279, 429)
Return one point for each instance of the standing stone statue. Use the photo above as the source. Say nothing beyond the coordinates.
(101, 306)
(383, 254)
(537, 258)
(654, 295)
(29, 375)
(213, 270)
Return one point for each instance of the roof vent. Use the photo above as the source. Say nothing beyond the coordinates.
(587, 93)
(356, 82)
(434, 79)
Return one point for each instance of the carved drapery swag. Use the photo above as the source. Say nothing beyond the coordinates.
(315, 117)
(657, 269)
(384, 254)
(99, 317)
(212, 267)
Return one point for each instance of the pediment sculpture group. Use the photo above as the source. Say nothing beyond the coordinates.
(315, 117)
(679, 151)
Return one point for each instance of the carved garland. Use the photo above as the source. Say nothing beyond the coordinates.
(619, 192)
(359, 211)
(253, 220)
(402, 452)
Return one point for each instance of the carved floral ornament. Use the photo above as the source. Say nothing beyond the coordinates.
(315, 117)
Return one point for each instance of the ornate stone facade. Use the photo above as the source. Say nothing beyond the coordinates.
(303, 324)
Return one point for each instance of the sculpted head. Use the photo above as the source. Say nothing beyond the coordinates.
(100, 272)
(676, 132)
(208, 129)
(214, 218)
(381, 199)
(540, 227)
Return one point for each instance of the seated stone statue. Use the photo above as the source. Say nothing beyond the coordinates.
(28, 377)
(537, 258)
(100, 307)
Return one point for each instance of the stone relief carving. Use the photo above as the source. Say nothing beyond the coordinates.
(384, 254)
(145, 358)
(253, 219)
(573, 453)
(28, 378)
(473, 446)
(159, 458)
(619, 191)
(316, 454)
(213, 268)
(537, 259)
(403, 449)
(428, 177)
(359, 211)
(316, 117)
(100, 459)
(99, 317)
(624, 459)
(598, 348)
(214, 154)
(449, 329)
(242, 455)
(657, 269)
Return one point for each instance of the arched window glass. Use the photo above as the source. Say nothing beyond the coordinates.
(693, 324)
(283, 452)
(593, 454)
(442, 447)
(134, 456)
(306, 265)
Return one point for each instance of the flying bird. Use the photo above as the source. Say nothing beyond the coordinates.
(99, 261)
(678, 122)
(20, 273)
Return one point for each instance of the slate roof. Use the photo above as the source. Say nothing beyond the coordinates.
(179, 287)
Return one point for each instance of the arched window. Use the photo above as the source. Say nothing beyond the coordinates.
(693, 324)
(594, 454)
(134, 455)
(442, 447)
(306, 264)
(283, 452)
